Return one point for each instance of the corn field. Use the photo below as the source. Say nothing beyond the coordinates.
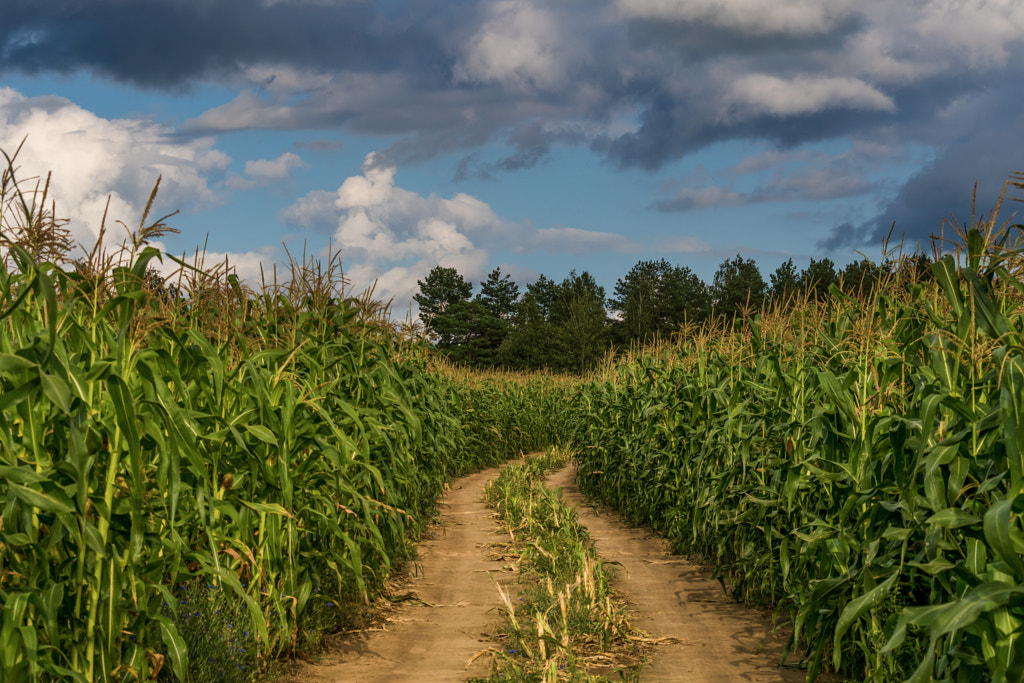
(197, 476)
(858, 466)
(162, 445)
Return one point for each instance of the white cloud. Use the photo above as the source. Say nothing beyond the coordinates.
(92, 157)
(519, 45)
(261, 172)
(394, 236)
(790, 17)
(315, 210)
(274, 169)
(574, 241)
(683, 245)
(374, 187)
(904, 42)
(763, 93)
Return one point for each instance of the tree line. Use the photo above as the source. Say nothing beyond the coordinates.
(570, 325)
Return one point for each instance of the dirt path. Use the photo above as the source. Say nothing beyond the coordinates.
(423, 643)
(672, 597)
(668, 595)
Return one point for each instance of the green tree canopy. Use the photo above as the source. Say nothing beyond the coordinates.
(580, 321)
(655, 297)
(859, 277)
(558, 326)
(499, 293)
(737, 286)
(439, 298)
(785, 284)
(817, 277)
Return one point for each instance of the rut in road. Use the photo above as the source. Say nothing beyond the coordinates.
(434, 643)
(668, 596)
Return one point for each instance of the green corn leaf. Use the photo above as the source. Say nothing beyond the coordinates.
(56, 501)
(953, 518)
(998, 526)
(11, 363)
(57, 391)
(854, 610)
(176, 650)
(262, 433)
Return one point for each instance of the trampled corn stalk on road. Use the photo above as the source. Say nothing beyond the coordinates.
(716, 639)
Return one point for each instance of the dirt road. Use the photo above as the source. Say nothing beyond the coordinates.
(433, 643)
(669, 596)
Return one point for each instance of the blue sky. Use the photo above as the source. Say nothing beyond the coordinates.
(538, 135)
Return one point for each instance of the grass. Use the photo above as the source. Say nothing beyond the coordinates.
(563, 623)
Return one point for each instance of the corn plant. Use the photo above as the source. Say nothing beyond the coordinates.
(857, 465)
(281, 447)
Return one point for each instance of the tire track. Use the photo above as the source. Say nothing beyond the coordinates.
(718, 640)
(433, 642)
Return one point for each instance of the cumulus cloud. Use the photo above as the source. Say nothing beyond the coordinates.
(763, 93)
(790, 17)
(92, 158)
(274, 169)
(643, 83)
(518, 44)
(395, 236)
(261, 172)
(316, 211)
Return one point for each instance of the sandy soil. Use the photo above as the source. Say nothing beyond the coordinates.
(713, 639)
(718, 640)
(433, 643)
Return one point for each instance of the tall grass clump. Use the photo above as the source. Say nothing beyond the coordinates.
(857, 463)
(172, 446)
(566, 623)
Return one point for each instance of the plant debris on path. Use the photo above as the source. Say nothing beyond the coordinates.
(704, 635)
(566, 624)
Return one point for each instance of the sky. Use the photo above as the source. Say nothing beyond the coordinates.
(539, 136)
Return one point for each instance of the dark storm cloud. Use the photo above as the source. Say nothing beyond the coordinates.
(696, 42)
(531, 145)
(987, 151)
(165, 43)
(670, 129)
(643, 83)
